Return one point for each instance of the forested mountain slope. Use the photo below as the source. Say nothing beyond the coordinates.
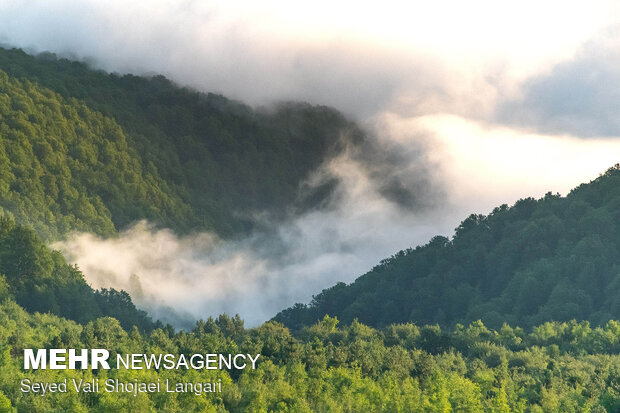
(556, 258)
(65, 167)
(87, 150)
(39, 279)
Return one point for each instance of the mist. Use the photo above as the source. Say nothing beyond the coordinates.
(468, 106)
(181, 279)
(411, 183)
(362, 58)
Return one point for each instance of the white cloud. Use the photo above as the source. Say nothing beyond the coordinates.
(361, 57)
(484, 164)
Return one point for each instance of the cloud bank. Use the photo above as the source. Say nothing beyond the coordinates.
(361, 57)
(579, 96)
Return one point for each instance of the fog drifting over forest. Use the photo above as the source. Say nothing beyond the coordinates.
(484, 102)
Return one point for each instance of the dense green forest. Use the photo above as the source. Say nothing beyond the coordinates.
(86, 150)
(551, 259)
(557, 367)
(64, 167)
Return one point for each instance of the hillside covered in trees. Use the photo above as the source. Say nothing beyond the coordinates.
(551, 259)
(39, 279)
(86, 150)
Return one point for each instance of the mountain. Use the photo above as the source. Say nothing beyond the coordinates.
(86, 150)
(555, 258)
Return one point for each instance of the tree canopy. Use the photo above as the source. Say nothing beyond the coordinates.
(551, 259)
(39, 279)
(82, 149)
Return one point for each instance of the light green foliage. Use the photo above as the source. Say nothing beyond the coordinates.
(403, 373)
(65, 167)
(5, 404)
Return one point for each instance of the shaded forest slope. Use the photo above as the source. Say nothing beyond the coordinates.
(555, 258)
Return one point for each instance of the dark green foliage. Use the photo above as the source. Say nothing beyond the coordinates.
(40, 280)
(131, 147)
(118, 304)
(540, 260)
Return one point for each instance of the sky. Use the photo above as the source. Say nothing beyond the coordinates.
(485, 101)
